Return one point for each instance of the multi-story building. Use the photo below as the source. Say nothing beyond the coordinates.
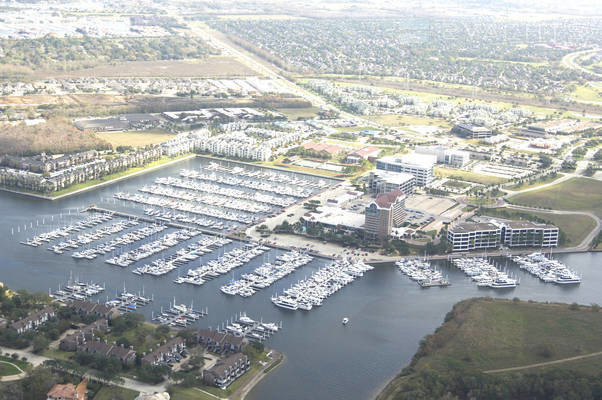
(226, 371)
(529, 234)
(471, 131)
(456, 158)
(380, 181)
(383, 214)
(468, 236)
(419, 165)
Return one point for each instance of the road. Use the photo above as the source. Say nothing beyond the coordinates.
(569, 61)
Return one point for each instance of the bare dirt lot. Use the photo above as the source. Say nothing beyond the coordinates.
(212, 67)
(72, 99)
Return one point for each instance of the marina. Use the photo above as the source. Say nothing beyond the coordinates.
(179, 315)
(422, 272)
(128, 302)
(311, 292)
(183, 256)
(75, 289)
(360, 358)
(244, 326)
(65, 231)
(148, 249)
(222, 265)
(547, 269)
(265, 275)
(485, 274)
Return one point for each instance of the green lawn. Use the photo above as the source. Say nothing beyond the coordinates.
(586, 93)
(576, 194)
(180, 393)
(114, 392)
(295, 113)
(468, 176)
(8, 369)
(456, 184)
(135, 139)
(58, 354)
(575, 227)
(19, 363)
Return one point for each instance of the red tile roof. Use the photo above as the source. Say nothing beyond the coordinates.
(386, 199)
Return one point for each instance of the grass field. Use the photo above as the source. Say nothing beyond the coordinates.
(8, 369)
(114, 392)
(538, 182)
(180, 393)
(134, 139)
(575, 227)
(468, 176)
(19, 363)
(485, 334)
(294, 114)
(502, 333)
(576, 194)
(55, 353)
(404, 120)
(586, 93)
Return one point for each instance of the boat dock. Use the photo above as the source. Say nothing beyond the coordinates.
(179, 315)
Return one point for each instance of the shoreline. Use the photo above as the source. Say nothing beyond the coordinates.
(100, 184)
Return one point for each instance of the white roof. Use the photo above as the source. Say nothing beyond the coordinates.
(415, 159)
(396, 178)
(338, 216)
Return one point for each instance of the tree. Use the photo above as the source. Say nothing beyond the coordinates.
(40, 343)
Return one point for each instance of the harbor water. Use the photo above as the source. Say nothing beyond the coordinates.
(388, 313)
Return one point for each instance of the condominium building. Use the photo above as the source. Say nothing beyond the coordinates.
(380, 181)
(456, 158)
(529, 234)
(467, 236)
(471, 131)
(491, 235)
(419, 165)
(383, 214)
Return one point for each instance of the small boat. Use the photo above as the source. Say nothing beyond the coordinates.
(345, 321)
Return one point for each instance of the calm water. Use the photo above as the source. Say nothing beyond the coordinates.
(388, 313)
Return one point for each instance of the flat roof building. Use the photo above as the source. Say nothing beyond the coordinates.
(456, 158)
(472, 131)
(380, 181)
(419, 165)
(468, 236)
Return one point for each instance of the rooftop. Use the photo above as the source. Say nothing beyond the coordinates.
(393, 177)
(337, 216)
(413, 159)
(385, 200)
(465, 227)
